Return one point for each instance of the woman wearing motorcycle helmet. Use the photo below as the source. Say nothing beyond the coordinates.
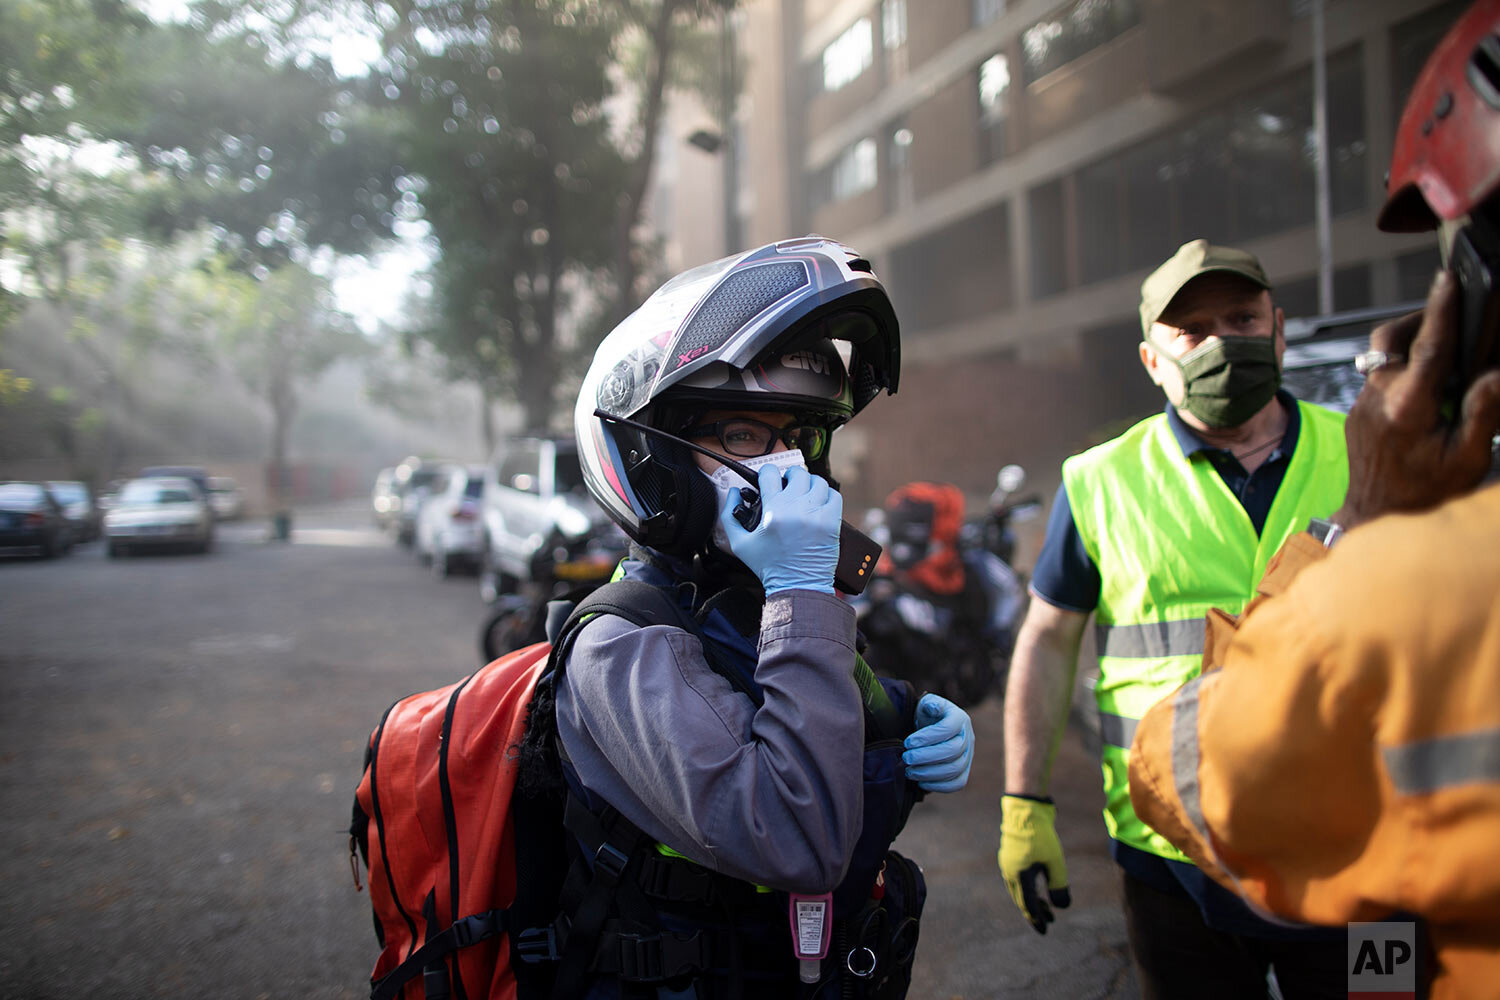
(747, 752)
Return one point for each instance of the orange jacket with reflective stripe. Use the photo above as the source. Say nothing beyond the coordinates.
(1339, 759)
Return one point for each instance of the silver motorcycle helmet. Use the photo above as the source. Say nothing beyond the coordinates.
(755, 331)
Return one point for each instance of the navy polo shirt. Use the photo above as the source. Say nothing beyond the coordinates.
(1065, 576)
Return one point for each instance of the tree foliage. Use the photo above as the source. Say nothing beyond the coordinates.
(277, 156)
(505, 137)
(534, 192)
(500, 125)
(171, 184)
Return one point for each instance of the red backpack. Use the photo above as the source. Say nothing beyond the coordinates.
(440, 824)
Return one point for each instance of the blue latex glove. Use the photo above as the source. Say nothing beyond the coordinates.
(939, 753)
(796, 544)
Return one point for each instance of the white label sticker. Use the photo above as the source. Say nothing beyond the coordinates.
(810, 926)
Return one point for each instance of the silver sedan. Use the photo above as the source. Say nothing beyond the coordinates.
(159, 513)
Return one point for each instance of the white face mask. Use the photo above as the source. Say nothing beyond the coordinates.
(725, 479)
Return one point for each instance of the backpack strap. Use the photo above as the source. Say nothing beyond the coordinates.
(470, 930)
(644, 604)
(618, 846)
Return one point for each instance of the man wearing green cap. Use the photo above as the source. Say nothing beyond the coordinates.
(1149, 531)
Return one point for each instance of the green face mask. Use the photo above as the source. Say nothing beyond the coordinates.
(1227, 380)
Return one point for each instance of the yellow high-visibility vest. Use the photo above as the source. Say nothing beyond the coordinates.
(1171, 541)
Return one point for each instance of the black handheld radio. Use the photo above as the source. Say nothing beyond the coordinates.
(857, 551)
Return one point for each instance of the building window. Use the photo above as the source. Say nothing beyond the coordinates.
(893, 23)
(1099, 221)
(1049, 263)
(1080, 27)
(848, 55)
(900, 191)
(855, 171)
(986, 11)
(994, 107)
(1414, 274)
(893, 37)
(958, 274)
(1234, 173)
(1351, 290)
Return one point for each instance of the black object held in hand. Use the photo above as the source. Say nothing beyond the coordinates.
(747, 511)
(858, 552)
(1475, 262)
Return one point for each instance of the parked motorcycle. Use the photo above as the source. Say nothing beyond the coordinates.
(993, 530)
(942, 610)
(565, 567)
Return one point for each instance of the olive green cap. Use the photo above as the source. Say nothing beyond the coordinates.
(1191, 260)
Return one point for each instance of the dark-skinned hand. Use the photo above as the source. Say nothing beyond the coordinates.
(1403, 454)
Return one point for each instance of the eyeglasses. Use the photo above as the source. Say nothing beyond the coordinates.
(743, 437)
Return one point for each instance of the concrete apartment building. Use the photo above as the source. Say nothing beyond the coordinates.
(1014, 168)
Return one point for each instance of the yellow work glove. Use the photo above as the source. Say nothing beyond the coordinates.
(1029, 850)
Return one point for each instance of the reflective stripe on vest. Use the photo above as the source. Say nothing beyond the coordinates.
(1186, 756)
(1171, 541)
(1442, 762)
(1116, 730)
(1176, 638)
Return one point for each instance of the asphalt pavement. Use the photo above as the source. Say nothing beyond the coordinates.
(181, 735)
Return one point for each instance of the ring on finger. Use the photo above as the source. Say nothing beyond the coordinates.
(1371, 360)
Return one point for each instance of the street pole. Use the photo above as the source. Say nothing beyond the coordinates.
(730, 148)
(1320, 163)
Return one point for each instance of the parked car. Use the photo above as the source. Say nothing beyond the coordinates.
(159, 512)
(448, 530)
(533, 493)
(1318, 366)
(192, 472)
(78, 506)
(384, 498)
(31, 518)
(225, 497)
(414, 479)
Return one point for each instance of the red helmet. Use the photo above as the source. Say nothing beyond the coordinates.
(924, 520)
(1446, 160)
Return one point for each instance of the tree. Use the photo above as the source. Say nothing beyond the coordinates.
(278, 332)
(273, 151)
(114, 127)
(662, 25)
(215, 124)
(530, 191)
(57, 55)
(506, 142)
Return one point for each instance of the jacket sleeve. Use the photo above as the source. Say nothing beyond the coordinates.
(1265, 769)
(770, 795)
